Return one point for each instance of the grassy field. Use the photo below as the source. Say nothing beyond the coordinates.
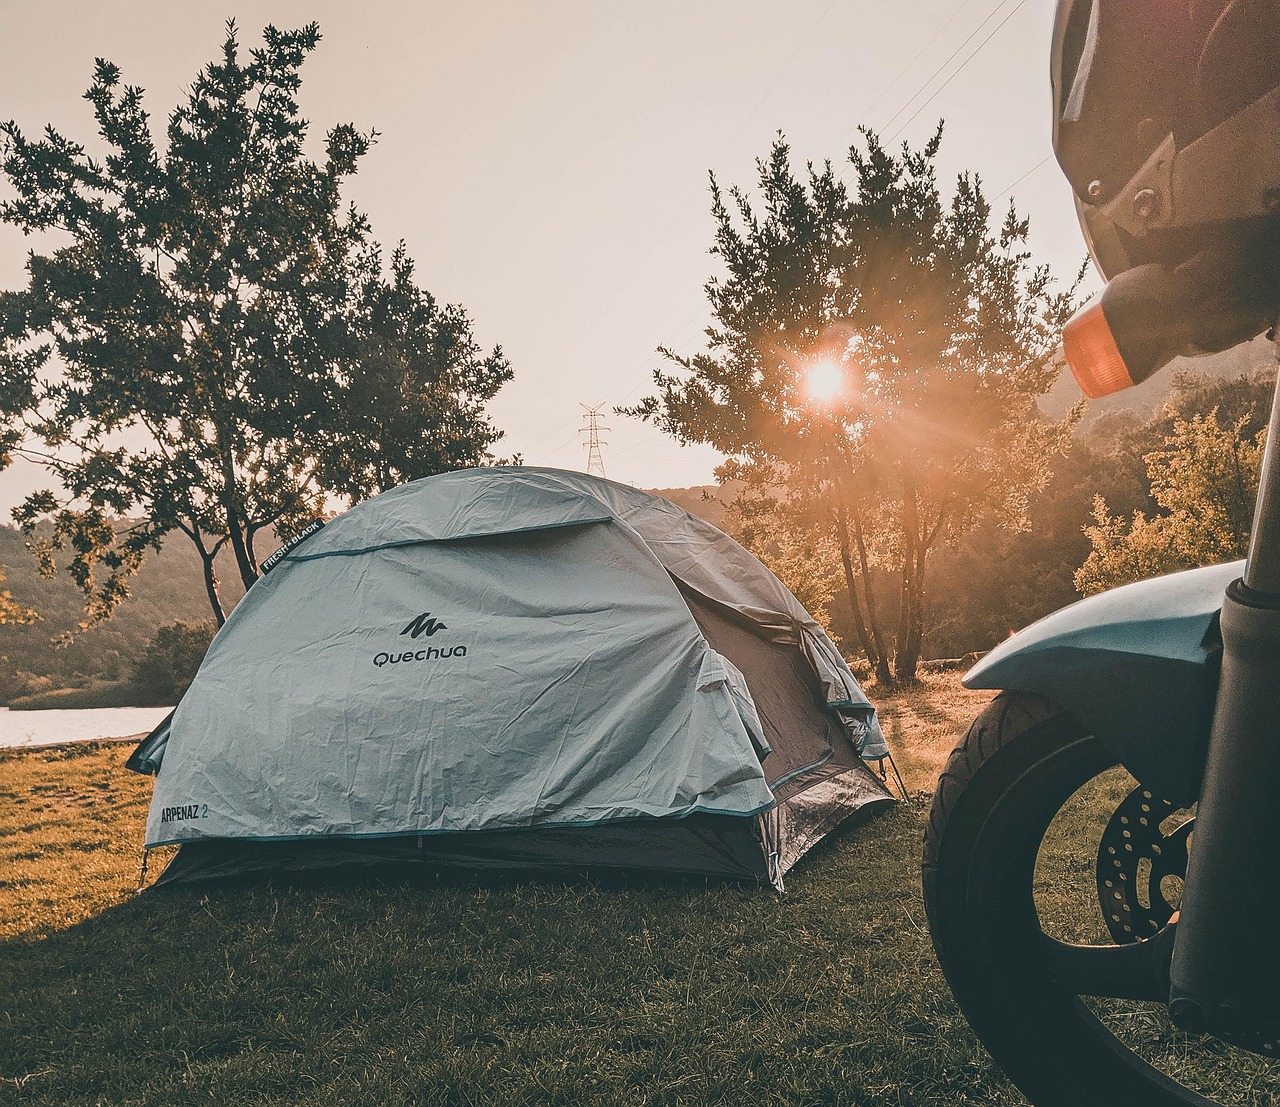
(470, 992)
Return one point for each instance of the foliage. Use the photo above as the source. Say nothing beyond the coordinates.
(795, 545)
(210, 337)
(414, 391)
(169, 664)
(11, 611)
(995, 581)
(1205, 481)
(941, 331)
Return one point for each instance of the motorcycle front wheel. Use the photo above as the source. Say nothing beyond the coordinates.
(1066, 988)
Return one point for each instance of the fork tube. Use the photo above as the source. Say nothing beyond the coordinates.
(1262, 571)
(1226, 959)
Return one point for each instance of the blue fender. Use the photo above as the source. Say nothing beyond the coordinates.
(1137, 665)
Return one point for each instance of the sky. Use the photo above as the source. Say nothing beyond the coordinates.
(547, 163)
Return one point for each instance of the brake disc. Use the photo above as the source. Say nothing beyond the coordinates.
(1136, 861)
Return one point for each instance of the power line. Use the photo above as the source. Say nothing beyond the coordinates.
(694, 318)
(862, 115)
(781, 72)
(950, 58)
(956, 72)
(1024, 176)
(554, 430)
(768, 92)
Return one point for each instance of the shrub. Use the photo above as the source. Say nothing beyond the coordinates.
(169, 663)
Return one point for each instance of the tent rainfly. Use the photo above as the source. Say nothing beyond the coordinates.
(513, 668)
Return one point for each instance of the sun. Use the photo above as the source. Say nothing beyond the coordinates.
(824, 381)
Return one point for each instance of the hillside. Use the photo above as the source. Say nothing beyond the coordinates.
(168, 589)
(703, 500)
(992, 582)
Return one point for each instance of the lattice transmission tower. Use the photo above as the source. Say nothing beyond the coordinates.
(595, 460)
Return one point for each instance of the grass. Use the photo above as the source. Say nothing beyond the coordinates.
(474, 992)
(458, 992)
(924, 722)
(1066, 897)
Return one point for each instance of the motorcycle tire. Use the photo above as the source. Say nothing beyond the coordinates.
(1022, 760)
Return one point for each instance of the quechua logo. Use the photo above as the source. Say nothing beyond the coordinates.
(423, 624)
(420, 625)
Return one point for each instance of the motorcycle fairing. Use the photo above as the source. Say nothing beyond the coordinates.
(1137, 665)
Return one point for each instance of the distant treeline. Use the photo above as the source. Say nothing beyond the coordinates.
(54, 653)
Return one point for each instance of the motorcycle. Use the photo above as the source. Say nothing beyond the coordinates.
(1100, 863)
(1142, 728)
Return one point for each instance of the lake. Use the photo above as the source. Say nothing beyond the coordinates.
(47, 728)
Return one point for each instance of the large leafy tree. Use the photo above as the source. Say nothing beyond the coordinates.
(874, 357)
(1205, 481)
(209, 343)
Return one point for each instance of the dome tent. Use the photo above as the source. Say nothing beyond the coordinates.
(513, 668)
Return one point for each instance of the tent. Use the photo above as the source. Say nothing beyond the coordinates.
(514, 668)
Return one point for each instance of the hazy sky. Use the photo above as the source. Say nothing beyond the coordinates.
(546, 162)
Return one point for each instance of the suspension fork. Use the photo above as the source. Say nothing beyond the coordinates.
(1225, 974)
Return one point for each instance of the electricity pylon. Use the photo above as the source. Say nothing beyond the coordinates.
(595, 461)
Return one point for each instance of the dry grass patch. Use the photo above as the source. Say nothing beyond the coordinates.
(71, 821)
(924, 722)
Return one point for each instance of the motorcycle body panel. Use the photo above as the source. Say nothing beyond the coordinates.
(1137, 665)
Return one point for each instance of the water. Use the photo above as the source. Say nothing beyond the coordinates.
(47, 728)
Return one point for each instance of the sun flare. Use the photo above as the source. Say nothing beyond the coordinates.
(824, 381)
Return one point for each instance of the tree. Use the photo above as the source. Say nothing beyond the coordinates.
(874, 356)
(415, 387)
(1205, 480)
(210, 345)
(168, 665)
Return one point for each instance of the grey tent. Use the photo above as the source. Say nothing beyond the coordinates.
(513, 668)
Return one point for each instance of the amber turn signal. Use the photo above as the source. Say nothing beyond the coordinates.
(1092, 353)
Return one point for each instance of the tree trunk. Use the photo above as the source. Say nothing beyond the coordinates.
(851, 583)
(869, 631)
(248, 574)
(908, 656)
(873, 617)
(236, 523)
(249, 535)
(910, 618)
(211, 580)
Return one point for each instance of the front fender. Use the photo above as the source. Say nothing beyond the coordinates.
(1137, 665)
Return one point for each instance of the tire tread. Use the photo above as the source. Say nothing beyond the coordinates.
(1008, 714)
